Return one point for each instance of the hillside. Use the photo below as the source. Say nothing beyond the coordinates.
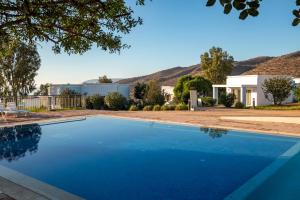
(283, 65)
(288, 64)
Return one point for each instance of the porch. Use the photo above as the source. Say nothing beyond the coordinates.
(245, 94)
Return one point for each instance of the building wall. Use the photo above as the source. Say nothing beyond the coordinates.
(91, 89)
(238, 81)
(168, 90)
(254, 82)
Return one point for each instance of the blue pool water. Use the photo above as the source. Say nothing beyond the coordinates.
(109, 158)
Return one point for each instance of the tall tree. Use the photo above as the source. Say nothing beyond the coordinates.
(216, 65)
(154, 94)
(250, 8)
(104, 79)
(140, 90)
(43, 90)
(19, 64)
(71, 26)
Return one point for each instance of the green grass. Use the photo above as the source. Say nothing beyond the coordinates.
(295, 106)
(44, 109)
(36, 110)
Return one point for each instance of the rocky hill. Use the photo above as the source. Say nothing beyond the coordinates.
(283, 65)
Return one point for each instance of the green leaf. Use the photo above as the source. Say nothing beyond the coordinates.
(238, 5)
(253, 4)
(296, 13)
(253, 12)
(227, 8)
(296, 22)
(223, 2)
(298, 2)
(210, 2)
(243, 14)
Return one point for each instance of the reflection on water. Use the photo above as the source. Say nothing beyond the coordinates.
(16, 141)
(214, 132)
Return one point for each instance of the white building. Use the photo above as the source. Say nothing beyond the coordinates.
(91, 88)
(168, 90)
(248, 89)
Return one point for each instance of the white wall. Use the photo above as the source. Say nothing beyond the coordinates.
(168, 90)
(238, 81)
(254, 82)
(91, 89)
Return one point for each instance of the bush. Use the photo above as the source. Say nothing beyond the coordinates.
(208, 101)
(239, 105)
(167, 107)
(297, 94)
(115, 101)
(148, 108)
(181, 106)
(156, 108)
(278, 89)
(133, 108)
(227, 100)
(94, 102)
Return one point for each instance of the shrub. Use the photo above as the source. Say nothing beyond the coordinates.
(181, 106)
(227, 100)
(167, 107)
(297, 94)
(94, 102)
(239, 105)
(277, 89)
(148, 108)
(154, 94)
(115, 101)
(156, 108)
(208, 101)
(133, 108)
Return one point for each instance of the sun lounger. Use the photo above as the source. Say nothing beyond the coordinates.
(11, 109)
(2, 109)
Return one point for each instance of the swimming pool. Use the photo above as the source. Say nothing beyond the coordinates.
(110, 158)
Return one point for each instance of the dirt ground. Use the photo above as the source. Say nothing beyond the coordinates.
(213, 117)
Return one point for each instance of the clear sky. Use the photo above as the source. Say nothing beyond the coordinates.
(176, 33)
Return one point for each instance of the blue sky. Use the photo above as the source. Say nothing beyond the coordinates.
(176, 33)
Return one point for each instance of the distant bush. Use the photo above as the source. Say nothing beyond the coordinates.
(181, 106)
(133, 108)
(167, 107)
(148, 108)
(115, 101)
(227, 100)
(239, 105)
(208, 101)
(297, 94)
(94, 102)
(156, 108)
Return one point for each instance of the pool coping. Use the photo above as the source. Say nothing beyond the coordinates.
(43, 189)
(253, 183)
(230, 128)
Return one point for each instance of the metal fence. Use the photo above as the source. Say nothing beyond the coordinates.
(46, 102)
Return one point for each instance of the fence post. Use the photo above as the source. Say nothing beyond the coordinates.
(83, 101)
(49, 103)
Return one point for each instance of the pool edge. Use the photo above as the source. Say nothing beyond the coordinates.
(250, 186)
(46, 190)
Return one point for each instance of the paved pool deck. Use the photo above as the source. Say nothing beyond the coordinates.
(265, 121)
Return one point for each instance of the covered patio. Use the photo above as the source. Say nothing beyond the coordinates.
(245, 94)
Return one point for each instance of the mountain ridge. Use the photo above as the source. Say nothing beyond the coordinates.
(267, 65)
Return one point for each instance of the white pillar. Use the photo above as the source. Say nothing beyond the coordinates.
(193, 99)
(243, 95)
(215, 94)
